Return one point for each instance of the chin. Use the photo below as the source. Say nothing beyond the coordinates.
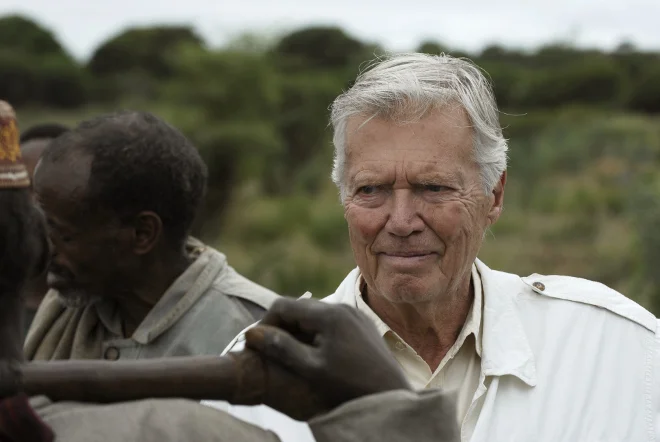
(76, 298)
(408, 289)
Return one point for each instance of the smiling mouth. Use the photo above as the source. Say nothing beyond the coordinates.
(408, 254)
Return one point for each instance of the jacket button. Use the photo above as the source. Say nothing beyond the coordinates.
(539, 285)
(111, 354)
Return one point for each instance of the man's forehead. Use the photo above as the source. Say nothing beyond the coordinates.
(419, 170)
(68, 174)
(34, 146)
(31, 151)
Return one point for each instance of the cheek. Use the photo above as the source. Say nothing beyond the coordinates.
(92, 257)
(450, 221)
(363, 224)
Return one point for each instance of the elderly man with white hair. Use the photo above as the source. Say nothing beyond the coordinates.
(421, 168)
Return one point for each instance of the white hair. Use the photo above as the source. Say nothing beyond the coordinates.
(405, 88)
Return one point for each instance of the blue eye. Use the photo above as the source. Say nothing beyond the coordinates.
(434, 188)
(368, 190)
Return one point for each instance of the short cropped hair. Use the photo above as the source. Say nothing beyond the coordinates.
(46, 130)
(139, 163)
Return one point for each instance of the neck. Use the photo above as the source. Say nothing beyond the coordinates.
(430, 328)
(154, 280)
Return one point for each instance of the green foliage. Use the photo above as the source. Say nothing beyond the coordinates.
(645, 210)
(22, 35)
(142, 49)
(303, 120)
(62, 84)
(645, 95)
(319, 47)
(53, 80)
(17, 78)
(35, 69)
(432, 48)
(505, 81)
(224, 84)
(133, 62)
(583, 173)
(588, 81)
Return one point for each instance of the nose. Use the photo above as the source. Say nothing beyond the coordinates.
(404, 219)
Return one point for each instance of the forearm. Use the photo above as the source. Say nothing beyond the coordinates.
(236, 378)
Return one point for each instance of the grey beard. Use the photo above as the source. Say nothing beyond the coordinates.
(77, 299)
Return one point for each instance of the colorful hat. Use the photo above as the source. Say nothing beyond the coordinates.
(13, 174)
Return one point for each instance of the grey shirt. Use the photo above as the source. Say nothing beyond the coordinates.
(199, 314)
(394, 416)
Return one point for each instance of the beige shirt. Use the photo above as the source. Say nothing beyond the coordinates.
(458, 371)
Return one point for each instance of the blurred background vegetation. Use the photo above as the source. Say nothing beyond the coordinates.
(583, 195)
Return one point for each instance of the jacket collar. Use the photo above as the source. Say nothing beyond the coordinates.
(178, 298)
(505, 347)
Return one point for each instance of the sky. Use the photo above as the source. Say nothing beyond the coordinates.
(81, 25)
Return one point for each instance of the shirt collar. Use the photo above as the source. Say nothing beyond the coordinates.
(177, 299)
(505, 349)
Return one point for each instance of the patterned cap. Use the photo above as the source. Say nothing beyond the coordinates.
(13, 174)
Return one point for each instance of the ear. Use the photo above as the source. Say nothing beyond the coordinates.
(498, 200)
(148, 232)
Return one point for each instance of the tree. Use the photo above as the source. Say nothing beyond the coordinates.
(142, 49)
(20, 34)
(645, 95)
(596, 80)
(230, 114)
(432, 48)
(319, 47)
(34, 68)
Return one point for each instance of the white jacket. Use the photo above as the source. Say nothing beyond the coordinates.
(564, 359)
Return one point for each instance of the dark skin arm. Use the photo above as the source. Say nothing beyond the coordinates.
(304, 359)
(318, 356)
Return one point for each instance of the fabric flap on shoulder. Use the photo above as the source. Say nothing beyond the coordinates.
(592, 293)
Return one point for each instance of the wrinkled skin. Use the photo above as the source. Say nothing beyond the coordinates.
(91, 250)
(322, 356)
(416, 206)
(417, 211)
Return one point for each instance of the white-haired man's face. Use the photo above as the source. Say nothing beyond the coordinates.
(415, 206)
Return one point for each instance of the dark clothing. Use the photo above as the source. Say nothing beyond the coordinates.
(19, 422)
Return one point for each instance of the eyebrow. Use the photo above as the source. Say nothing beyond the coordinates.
(422, 177)
(452, 177)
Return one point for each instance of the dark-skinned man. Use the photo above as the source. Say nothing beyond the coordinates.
(312, 355)
(120, 193)
(33, 142)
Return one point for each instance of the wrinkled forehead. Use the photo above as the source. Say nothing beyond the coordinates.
(65, 178)
(444, 138)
